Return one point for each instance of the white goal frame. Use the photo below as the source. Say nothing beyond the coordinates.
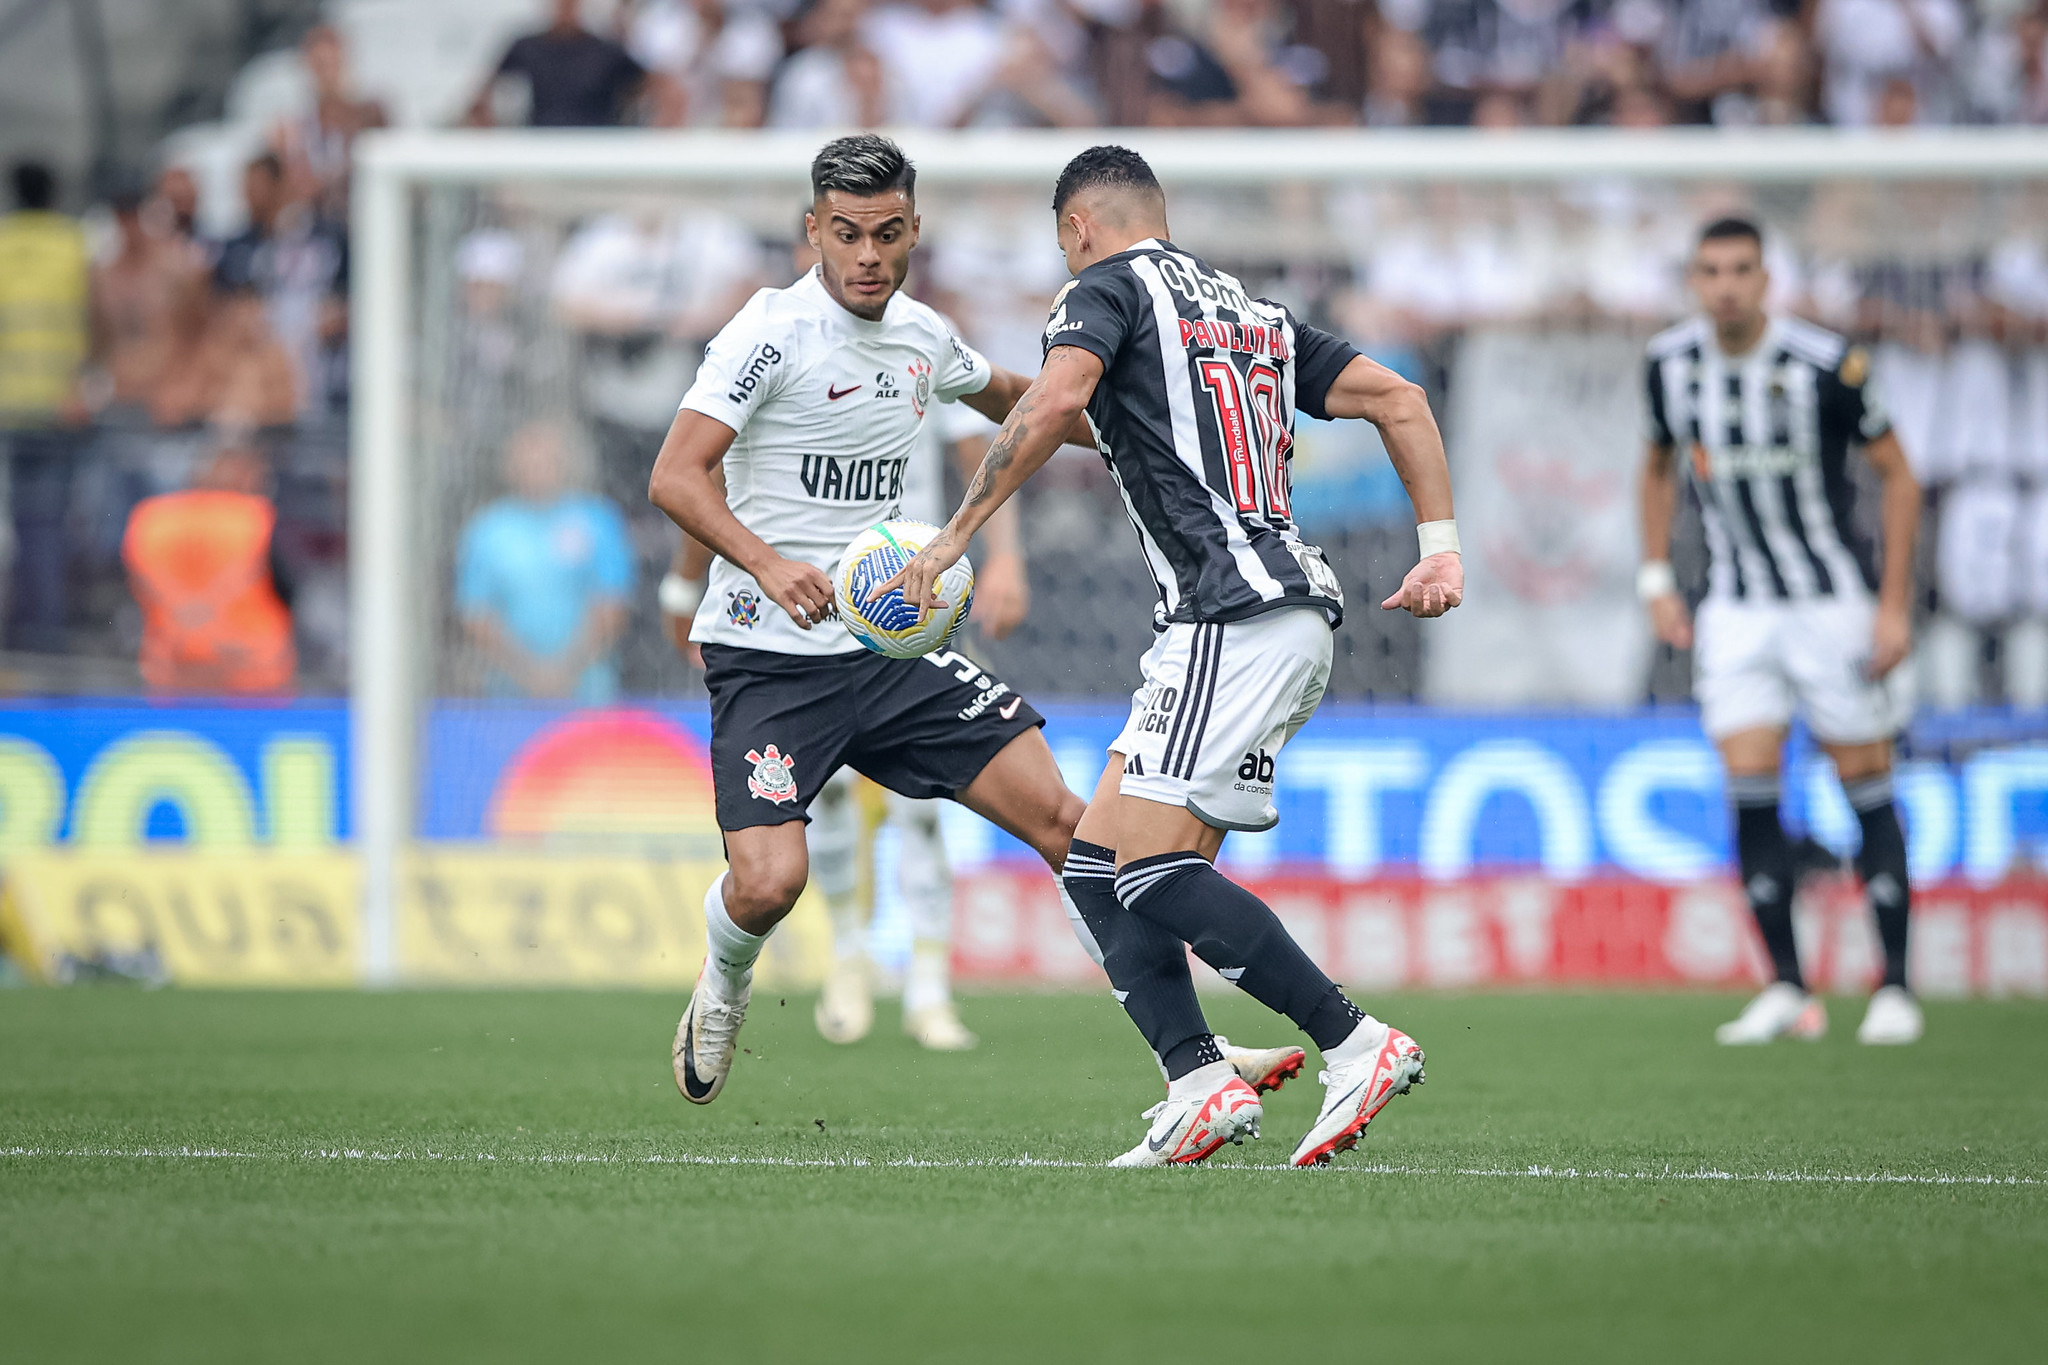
(391, 165)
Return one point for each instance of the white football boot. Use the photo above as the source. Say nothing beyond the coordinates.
(1263, 1069)
(1357, 1089)
(1780, 1010)
(1893, 1018)
(938, 1028)
(846, 1007)
(705, 1038)
(1191, 1128)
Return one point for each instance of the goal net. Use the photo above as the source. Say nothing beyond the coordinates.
(531, 306)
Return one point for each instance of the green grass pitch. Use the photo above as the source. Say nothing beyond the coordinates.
(1434, 1241)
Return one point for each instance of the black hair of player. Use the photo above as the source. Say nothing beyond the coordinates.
(35, 186)
(1106, 165)
(863, 165)
(1727, 229)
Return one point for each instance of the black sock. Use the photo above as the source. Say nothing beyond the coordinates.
(1765, 856)
(1147, 966)
(1233, 931)
(1881, 863)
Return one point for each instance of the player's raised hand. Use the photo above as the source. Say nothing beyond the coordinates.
(919, 579)
(798, 588)
(1432, 587)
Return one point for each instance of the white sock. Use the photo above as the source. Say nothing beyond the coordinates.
(729, 951)
(1203, 1080)
(1365, 1038)
(849, 929)
(930, 979)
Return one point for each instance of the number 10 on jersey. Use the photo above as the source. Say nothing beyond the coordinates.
(1255, 438)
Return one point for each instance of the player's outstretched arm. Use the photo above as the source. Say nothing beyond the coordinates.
(1035, 428)
(1373, 393)
(1892, 639)
(1655, 583)
(1002, 592)
(685, 486)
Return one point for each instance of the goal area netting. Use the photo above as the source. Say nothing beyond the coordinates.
(529, 308)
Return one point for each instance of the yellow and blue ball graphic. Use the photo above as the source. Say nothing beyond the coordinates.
(888, 624)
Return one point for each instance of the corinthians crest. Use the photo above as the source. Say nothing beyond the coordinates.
(771, 780)
(920, 385)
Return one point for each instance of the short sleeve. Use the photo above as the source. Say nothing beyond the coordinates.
(1319, 358)
(514, 62)
(473, 595)
(743, 366)
(1852, 399)
(961, 370)
(611, 567)
(1095, 312)
(1656, 416)
(957, 422)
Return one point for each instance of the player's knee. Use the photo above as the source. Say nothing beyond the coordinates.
(764, 890)
(1053, 833)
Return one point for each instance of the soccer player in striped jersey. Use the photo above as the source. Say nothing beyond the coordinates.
(1189, 387)
(1759, 415)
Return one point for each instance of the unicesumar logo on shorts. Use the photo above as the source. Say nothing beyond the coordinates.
(771, 780)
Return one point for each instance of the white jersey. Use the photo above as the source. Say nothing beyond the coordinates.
(924, 482)
(828, 409)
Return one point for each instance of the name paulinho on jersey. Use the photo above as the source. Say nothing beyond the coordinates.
(1765, 439)
(1195, 419)
(828, 409)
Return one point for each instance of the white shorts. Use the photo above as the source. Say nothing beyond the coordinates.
(1757, 662)
(1217, 704)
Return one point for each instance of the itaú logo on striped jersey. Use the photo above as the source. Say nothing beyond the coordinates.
(1250, 337)
(1748, 462)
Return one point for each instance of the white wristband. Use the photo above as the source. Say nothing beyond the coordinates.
(1438, 537)
(1655, 579)
(678, 595)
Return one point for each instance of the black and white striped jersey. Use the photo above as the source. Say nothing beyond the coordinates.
(1195, 419)
(1766, 440)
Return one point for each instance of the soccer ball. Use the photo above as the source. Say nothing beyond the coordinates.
(889, 625)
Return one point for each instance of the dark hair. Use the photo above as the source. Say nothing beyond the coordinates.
(269, 164)
(864, 165)
(1726, 229)
(35, 185)
(1116, 167)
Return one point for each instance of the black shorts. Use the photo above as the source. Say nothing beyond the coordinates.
(781, 724)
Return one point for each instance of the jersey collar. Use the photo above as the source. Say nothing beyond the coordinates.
(1765, 340)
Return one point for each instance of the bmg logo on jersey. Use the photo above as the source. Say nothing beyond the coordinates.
(831, 479)
(753, 373)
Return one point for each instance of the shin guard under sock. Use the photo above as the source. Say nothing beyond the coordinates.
(1236, 933)
(1147, 966)
(1765, 856)
(1881, 863)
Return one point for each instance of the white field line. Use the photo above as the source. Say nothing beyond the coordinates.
(351, 1154)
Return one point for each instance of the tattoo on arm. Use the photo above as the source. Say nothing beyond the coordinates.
(995, 462)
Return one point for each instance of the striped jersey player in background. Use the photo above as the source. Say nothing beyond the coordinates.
(1189, 387)
(1759, 414)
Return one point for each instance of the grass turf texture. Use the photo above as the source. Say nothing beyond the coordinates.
(278, 1255)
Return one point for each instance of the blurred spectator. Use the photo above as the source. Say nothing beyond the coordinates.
(238, 377)
(543, 577)
(148, 306)
(176, 202)
(1713, 53)
(216, 604)
(43, 345)
(834, 80)
(485, 383)
(1478, 46)
(574, 78)
(941, 57)
(315, 146)
(1237, 66)
(1397, 79)
(1866, 44)
(298, 263)
(645, 293)
(714, 59)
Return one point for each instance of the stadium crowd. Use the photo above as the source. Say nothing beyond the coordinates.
(145, 360)
(1284, 63)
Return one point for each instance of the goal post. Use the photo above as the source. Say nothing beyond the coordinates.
(406, 218)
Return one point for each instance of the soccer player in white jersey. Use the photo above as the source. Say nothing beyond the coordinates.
(811, 399)
(1759, 414)
(1189, 388)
